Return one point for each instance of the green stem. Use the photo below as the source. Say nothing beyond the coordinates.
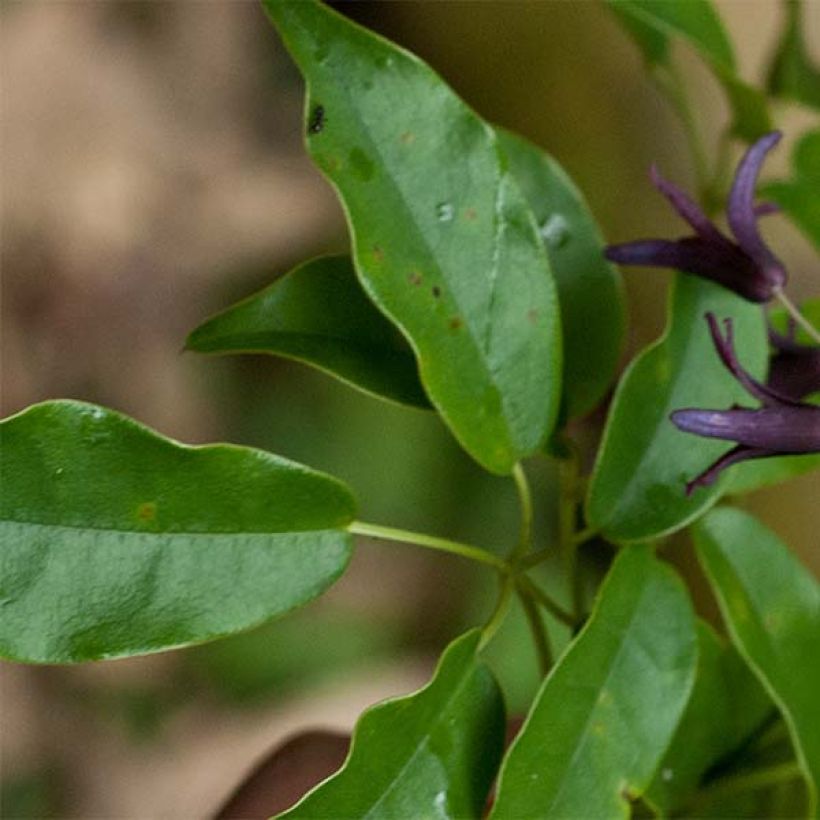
(567, 509)
(499, 612)
(525, 502)
(433, 542)
(539, 633)
(798, 317)
(748, 781)
(527, 587)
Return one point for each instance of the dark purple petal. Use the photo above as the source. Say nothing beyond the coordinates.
(726, 350)
(786, 341)
(794, 370)
(734, 456)
(776, 429)
(686, 208)
(723, 263)
(741, 211)
(795, 375)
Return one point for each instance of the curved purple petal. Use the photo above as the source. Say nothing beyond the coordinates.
(734, 456)
(726, 350)
(686, 207)
(741, 210)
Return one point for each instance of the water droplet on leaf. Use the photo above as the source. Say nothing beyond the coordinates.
(555, 231)
(445, 212)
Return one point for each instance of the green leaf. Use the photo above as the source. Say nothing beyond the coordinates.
(638, 484)
(588, 285)
(771, 605)
(431, 754)
(792, 74)
(726, 706)
(318, 314)
(608, 710)
(444, 242)
(116, 541)
(798, 196)
(652, 23)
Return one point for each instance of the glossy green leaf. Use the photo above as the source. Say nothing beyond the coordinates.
(652, 23)
(318, 314)
(116, 541)
(726, 706)
(771, 605)
(431, 754)
(638, 484)
(588, 285)
(798, 196)
(443, 240)
(607, 712)
(793, 74)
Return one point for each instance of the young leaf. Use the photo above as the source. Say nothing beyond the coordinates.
(444, 242)
(318, 314)
(115, 541)
(771, 605)
(608, 710)
(798, 196)
(431, 754)
(792, 74)
(726, 706)
(638, 485)
(588, 285)
(652, 22)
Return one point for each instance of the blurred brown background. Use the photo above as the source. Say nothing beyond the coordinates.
(152, 172)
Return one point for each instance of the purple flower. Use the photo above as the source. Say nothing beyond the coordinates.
(794, 370)
(745, 266)
(782, 426)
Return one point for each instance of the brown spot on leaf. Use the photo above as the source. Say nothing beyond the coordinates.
(470, 214)
(532, 316)
(378, 253)
(436, 290)
(455, 322)
(408, 137)
(147, 511)
(415, 278)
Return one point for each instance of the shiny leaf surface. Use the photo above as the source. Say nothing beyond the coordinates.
(638, 485)
(588, 285)
(443, 240)
(771, 606)
(318, 314)
(116, 541)
(608, 710)
(430, 754)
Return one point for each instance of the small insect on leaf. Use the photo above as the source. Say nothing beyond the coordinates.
(317, 120)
